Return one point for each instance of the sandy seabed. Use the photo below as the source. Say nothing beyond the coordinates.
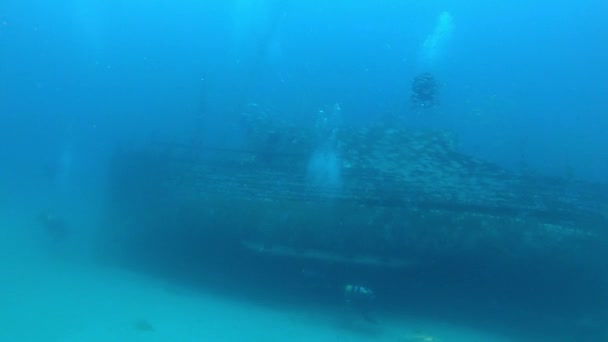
(49, 298)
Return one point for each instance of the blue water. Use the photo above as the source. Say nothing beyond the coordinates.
(520, 84)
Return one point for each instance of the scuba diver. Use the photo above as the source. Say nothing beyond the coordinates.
(424, 91)
(55, 227)
(362, 299)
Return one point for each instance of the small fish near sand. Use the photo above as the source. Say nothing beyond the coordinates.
(420, 338)
(143, 326)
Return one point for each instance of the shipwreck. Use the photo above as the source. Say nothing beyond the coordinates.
(394, 198)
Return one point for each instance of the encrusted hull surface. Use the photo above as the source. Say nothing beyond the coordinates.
(402, 198)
